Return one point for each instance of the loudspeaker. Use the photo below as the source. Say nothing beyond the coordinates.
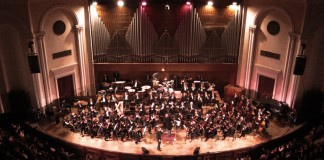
(300, 65)
(33, 64)
(145, 151)
(196, 151)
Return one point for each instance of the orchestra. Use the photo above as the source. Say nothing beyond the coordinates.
(129, 115)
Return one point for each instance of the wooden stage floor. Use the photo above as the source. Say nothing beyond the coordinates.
(170, 147)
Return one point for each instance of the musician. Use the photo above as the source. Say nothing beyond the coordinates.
(103, 99)
(137, 85)
(192, 97)
(137, 98)
(168, 124)
(163, 110)
(179, 120)
(192, 106)
(184, 97)
(185, 87)
(136, 135)
(213, 98)
(93, 112)
(126, 100)
(113, 102)
(207, 98)
(172, 98)
(195, 131)
(210, 132)
(228, 131)
(199, 101)
(172, 108)
(106, 131)
(160, 99)
(142, 111)
(90, 103)
(83, 127)
(152, 109)
(79, 106)
(193, 88)
(151, 98)
(236, 98)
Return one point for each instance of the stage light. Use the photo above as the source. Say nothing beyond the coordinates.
(210, 3)
(144, 3)
(188, 3)
(167, 7)
(234, 6)
(120, 3)
(94, 3)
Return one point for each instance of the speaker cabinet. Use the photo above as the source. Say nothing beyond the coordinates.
(196, 151)
(33, 64)
(145, 151)
(300, 65)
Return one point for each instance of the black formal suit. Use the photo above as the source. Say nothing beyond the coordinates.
(159, 137)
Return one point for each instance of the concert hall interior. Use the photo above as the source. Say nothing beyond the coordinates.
(161, 79)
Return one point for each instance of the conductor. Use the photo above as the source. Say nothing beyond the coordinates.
(159, 137)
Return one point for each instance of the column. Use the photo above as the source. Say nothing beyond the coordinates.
(81, 55)
(44, 66)
(287, 69)
(37, 80)
(249, 61)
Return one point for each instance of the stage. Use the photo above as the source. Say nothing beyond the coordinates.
(176, 145)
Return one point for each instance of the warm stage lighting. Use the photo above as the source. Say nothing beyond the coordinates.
(210, 3)
(94, 3)
(188, 3)
(144, 3)
(120, 3)
(167, 7)
(234, 6)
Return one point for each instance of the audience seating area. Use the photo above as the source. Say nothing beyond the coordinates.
(308, 145)
(19, 142)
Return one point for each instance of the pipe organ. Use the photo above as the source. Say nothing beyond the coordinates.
(199, 37)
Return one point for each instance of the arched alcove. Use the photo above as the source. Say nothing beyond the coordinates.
(14, 70)
(274, 25)
(65, 42)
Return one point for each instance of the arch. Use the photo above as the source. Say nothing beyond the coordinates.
(267, 9)
(15, 20)
(70, 12)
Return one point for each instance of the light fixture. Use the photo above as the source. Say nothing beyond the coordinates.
(144, 3)
(94, 3)
(234, 6)
(188, 3)
(167, 7)
(210, 3)
(120, 3)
